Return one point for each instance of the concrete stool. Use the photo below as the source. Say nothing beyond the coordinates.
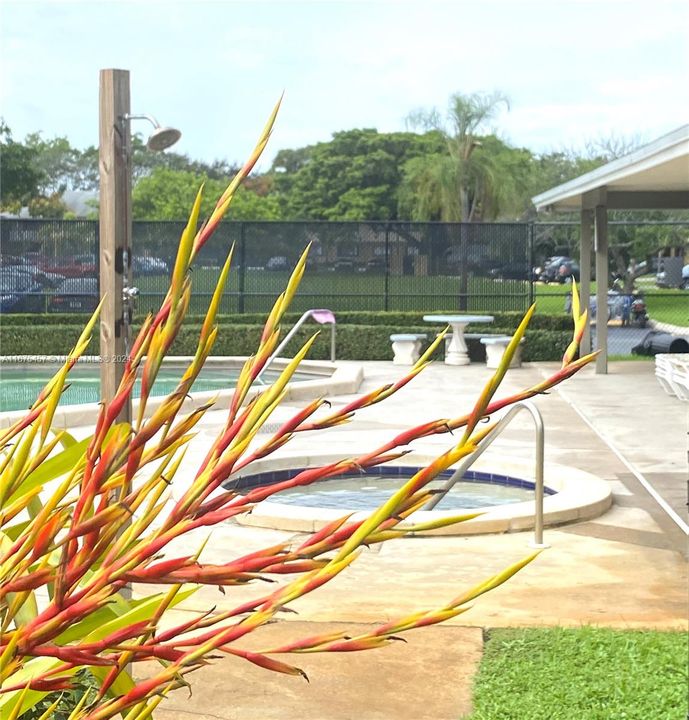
(495, 348)
(406, 348)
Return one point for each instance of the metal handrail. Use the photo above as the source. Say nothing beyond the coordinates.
(322, 316)
(485, 444)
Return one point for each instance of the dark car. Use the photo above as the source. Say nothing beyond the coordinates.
(559, 269)
(509, 272)
(75, 295)
(19, 292)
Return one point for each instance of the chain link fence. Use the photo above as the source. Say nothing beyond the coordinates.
(350, 266)
(52, 266)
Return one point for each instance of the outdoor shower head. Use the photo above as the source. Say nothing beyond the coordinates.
(162, 137)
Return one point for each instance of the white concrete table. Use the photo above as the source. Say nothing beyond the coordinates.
(456, 351)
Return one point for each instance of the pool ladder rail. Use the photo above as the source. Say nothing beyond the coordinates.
(504, 421)
(323, 316)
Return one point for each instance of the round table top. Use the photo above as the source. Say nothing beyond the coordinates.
(459, 318)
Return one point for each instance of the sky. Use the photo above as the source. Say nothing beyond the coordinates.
(574, 71)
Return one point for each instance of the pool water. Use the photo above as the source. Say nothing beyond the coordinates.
(367, 491)
(20, 384)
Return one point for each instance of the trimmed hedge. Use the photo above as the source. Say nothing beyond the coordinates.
(354, 342)
(505, 320)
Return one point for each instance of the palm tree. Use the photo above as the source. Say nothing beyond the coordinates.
(463, 184)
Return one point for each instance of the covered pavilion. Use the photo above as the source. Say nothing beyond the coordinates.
(654, 177)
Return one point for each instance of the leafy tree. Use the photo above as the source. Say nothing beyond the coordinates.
(85, 173)
(20, 174)
(57, 161)
(548, 170)
(168, 194)
(50, 207)
(145, 162)
(464, 180)
(355, 176)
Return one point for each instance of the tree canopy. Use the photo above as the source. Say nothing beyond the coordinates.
(20, 173)
(355, 176)
(451, 166)
(472, 177)
(168, 194)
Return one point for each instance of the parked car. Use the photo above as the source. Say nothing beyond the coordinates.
(559, 269)
(149, 266)
(344, 265)
(75, 266)
(277, 262)
(375, 266)
(476, 258)
(30, 266)
(75, 295)
(509, 272)
(19, 292)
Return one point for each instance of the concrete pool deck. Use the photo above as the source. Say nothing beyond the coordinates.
(625, 569)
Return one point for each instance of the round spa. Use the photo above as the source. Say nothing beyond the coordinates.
(504, 493)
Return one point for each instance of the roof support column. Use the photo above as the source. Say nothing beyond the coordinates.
(601, 247)
(585, 243)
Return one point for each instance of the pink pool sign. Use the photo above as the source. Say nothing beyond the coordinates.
(323, 316)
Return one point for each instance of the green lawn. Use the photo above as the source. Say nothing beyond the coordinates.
(364, 291)
(353, 291)
(670, 306)
(582, 674)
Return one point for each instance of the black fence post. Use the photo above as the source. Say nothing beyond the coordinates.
(532, 280)
(242, 267)
(463, 269)
(386, 299)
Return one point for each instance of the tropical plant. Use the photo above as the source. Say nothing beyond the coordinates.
(467, 181)
(82, 520)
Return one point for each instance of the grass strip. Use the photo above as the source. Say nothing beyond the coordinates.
(584, 673)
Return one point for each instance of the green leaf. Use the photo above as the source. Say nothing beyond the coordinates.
(122, 684)
(52, 468)
(66, 439)
(14, 531)
(111, 617)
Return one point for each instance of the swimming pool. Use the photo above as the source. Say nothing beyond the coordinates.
(21, 378)
(21, 383)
